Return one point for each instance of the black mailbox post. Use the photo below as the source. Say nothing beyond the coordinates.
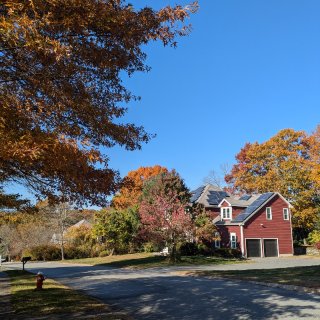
(24, 260)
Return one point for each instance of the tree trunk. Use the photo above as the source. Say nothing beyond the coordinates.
(62, 248)
(174, 255)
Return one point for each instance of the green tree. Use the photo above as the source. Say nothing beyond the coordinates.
(118, 229)
(61, 91)
(205, 230)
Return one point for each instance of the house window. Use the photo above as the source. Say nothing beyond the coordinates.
(285, 214)
(226, 213)
(233, 240)
(269, 213)
(217, 243)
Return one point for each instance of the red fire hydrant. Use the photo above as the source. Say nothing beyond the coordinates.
(40, 278)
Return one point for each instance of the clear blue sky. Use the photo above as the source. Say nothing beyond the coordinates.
(248, 70)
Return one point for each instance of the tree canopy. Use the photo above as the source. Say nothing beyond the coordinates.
(163, 213)
(118, 229)
(287, 163)
(132, 187)
(62, 97)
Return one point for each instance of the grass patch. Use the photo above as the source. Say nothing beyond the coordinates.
(298, 276)
(149, 260)
(54, 299)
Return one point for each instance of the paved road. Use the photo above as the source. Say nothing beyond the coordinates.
(161, 293)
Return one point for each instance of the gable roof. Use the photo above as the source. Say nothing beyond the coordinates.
(208, 195)
(82, 222)
(255, 203)
(236, 201)
(254, 206)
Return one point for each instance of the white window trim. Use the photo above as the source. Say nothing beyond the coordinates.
(233, 244)
(267, 213)
(287, 213)
(222, 214)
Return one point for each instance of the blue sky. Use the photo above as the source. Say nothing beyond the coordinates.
(248, 70)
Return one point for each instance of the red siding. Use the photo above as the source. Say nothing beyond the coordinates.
(213, 212)
(225, 235)
(225, 204)
(259, 227)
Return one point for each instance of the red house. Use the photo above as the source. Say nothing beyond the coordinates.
(259, 224)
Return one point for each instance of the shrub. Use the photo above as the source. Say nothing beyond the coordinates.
(96, 249)
(189, 249)
(228, 253)
(314, 237)
(150, 247)
(317, 245)
(204, 249)
(77, 252)
(43, 252)
(104, 253)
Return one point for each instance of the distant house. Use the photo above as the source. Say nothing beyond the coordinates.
(259, 225)
(82, 223)
(57, 237)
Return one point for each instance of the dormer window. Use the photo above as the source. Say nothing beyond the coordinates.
(226, 213)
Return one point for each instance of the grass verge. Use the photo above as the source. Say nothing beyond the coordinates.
(149, 260)
(54, 300)
(297, 276)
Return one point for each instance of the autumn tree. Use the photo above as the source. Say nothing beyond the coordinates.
(282, 164)
(22, 231)
(163, 211)
(61, 91)
(79, 235)
(132, 187)
(205, 230)
(117, 229)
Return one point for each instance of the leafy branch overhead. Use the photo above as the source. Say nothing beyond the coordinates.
(61, 92)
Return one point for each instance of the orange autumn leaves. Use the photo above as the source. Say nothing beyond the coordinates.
(133, 184)
(287, 163)
(62, 96)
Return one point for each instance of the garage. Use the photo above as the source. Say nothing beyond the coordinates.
(253, 248)
(270, 247)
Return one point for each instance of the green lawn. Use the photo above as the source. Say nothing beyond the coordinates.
(149, 260)
(54, 300)
(299, 276)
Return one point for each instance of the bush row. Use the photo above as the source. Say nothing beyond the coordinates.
(53, 252)
(192, 249)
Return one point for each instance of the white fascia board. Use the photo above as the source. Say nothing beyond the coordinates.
(285, 200)
(219, 205)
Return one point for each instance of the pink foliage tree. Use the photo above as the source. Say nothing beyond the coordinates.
(163, 211)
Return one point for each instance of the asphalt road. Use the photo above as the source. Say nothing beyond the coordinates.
(163, 294)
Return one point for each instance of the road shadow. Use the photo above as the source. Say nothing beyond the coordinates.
(155, 295)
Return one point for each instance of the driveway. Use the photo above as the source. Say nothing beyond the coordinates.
(160, 293)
